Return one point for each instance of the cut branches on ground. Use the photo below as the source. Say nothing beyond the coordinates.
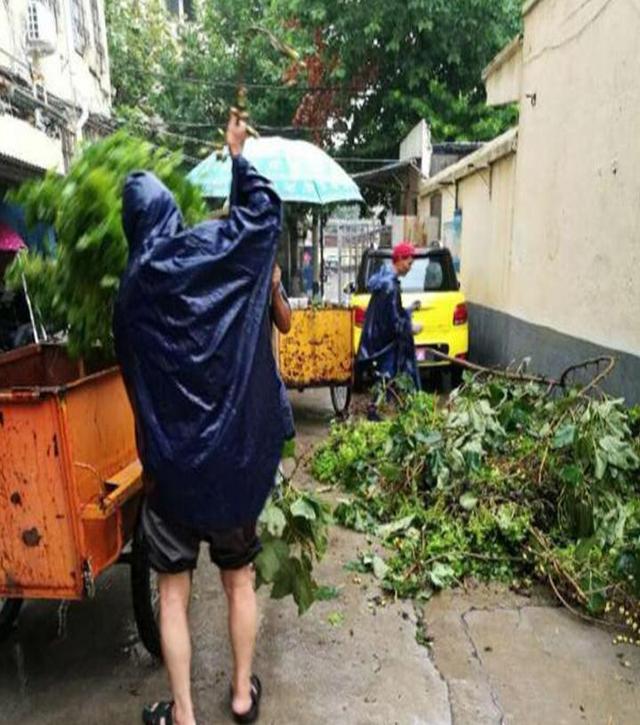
(507, 481)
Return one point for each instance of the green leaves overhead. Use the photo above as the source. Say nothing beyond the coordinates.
(386, 65)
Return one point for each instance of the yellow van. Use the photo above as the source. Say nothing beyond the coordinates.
(443, 311)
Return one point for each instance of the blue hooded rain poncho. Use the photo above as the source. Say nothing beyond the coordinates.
(386, 345)
(193, 337)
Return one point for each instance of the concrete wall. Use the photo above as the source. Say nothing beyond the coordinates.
(576, 243)
(486, 201)
(417, 145)
(550, 259)
(76, 77)
(29, 145)
(503, 76)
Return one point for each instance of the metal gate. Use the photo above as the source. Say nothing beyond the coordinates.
(345, 241)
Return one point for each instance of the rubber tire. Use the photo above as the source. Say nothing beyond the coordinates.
(341, 409)
(456, 376)
(142, 594)
(9, 610)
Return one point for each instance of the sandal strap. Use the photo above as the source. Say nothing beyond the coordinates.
(154, 714)
(252, 713)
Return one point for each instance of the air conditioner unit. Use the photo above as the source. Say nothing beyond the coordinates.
(42, 36)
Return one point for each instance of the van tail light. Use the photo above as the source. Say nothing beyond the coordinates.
(460, 315)
(359, 314)
(462, 356)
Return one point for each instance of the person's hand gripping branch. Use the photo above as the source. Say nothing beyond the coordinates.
(236, 131)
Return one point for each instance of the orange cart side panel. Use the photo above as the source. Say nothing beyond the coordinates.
(100, 432)
(318, 349)
(101, 442)
(38, 552)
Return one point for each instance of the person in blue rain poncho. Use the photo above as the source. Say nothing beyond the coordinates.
(386, 346)
(192, 329)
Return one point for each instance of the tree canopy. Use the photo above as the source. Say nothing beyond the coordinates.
(370, 70)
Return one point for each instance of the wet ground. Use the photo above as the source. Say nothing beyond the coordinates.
(494, 656)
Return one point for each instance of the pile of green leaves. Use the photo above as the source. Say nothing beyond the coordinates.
(505, 482)
(74, 288)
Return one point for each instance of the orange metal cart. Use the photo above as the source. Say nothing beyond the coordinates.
(70, 484)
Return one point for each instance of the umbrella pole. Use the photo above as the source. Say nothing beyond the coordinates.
(315, 252)
(321, 221)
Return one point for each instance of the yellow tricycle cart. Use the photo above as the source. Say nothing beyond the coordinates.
(318, 352)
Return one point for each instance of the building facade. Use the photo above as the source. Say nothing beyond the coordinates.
(54, 82)
(546, 217)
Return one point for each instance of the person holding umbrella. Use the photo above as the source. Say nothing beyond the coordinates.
(192, 329)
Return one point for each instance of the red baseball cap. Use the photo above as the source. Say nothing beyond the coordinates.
(404, 250)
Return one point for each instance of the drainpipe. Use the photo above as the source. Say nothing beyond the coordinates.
(68, 31)
(84, 117)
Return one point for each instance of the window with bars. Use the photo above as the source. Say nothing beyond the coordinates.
(97, 35)
(33, 30)
(79, 23)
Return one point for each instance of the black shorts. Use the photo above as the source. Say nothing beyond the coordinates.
(173, 548)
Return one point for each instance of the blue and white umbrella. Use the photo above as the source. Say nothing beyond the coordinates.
(300, 172)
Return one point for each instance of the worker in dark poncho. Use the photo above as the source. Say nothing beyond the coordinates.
(192, 328)
(386, 347)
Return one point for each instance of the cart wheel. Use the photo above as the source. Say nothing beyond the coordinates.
(146, 595)
(9, 610)
(340, 398)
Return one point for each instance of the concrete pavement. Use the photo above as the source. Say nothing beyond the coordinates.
(494, 656)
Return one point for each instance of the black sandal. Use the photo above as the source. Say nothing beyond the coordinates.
(253, 712)
(154, 714)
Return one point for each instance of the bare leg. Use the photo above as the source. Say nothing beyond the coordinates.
(175, 590)
(243, 613)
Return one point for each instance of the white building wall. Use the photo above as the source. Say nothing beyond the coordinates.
(77, 72)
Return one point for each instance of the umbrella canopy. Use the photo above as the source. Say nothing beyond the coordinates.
(10, 241)
(300, 172)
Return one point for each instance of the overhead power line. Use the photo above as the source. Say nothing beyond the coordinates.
(284, 87)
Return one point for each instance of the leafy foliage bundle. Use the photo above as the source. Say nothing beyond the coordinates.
(74, 288)
(503, 483)
(293, 531)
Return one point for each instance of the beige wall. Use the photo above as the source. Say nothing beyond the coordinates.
(576, 242)
(486, 200)
(503, 77)
(448, 207)
(68, 74)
